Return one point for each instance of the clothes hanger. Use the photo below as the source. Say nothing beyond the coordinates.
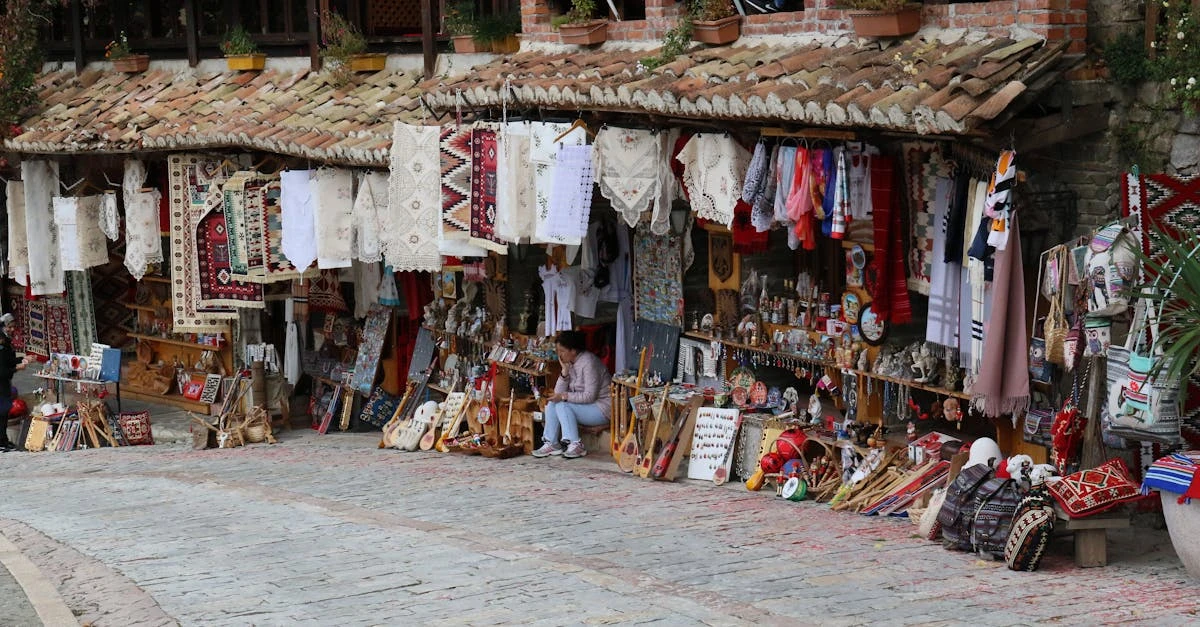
(578, 123)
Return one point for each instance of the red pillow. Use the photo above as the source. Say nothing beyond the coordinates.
(1093, 491)
(136, 427)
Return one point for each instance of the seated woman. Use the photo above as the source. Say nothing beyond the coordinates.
(580, 398)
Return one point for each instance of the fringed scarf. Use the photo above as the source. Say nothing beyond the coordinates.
(945, 280)
(890, 293)
(1003, 383)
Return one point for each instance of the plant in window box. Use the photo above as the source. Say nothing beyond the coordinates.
(241, 53)
(346, 48)
(714, 21)
(123, 58)
(499, 32)
(883, 18)
(459, 23)
(580, 25)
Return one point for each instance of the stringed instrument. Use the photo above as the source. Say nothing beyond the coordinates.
(422, 422)
(448, 411)
(627, 450)
(663, 463)
(451, 431)
(653, 444)
(401, 418)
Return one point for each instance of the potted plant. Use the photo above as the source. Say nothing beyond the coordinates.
(346, 46)
(1176, 263)
(580, 25)
(459, 22)
(883, 18)
(499, 32)
(241, 53)
(714, 21)
(123, 59)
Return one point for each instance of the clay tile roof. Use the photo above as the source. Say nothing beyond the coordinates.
(921, 86)
(297, 113)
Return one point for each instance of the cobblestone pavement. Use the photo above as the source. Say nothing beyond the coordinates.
(15, 608)
(330, 530)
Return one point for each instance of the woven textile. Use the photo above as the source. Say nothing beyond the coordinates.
(627, 163)
(516, 214)
(923, 165)
(325, 293)
(18, 244)
(36, 341)
(110, 216)
(369, 203)
(80, 244)
(15, 303)
(544, 140)
(1178, 473)
(59, 338)
(190, 177)
(234, 203)
(143, 244)
(411, 223)
(275, 265)
(714, 165)
(1028, 537)
(81, 309)
(455, 146)
(254, 214)
(1092, 491)
(218, 288)
(299, 238)
(45, 267)
(333, 208)
(135, 426)
(657, 277)
(483, 189)
(111, 287)
(570, 198)
(945, 278)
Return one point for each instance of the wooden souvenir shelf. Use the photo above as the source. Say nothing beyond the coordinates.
(175, 400)
(164, 340)
(758, 349)
(437, 388)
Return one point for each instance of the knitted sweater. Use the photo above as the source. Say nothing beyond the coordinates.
(586, 382)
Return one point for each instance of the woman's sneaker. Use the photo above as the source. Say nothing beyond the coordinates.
(574, 449)
(548, 449)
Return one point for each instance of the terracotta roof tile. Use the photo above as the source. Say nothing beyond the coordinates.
(297, 113)
(918, 85)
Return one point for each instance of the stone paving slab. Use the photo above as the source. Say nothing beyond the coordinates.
(15, 608)
(323, 530)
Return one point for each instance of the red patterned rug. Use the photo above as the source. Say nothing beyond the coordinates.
(483, 191)
(14, 302)
(217, 286)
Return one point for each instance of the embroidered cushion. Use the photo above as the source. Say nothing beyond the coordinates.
(1028, 538)
(1095, 490)
(136, 427)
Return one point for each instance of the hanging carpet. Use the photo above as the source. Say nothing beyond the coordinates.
(483, 189)
(657, 277)
(45, 267)
(81, 310)
(455, 146)
(218, 287)
(190, 177)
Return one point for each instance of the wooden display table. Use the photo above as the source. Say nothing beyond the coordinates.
(1091, 535)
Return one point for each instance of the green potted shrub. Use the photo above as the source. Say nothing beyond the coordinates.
(580, 25)
(241, 53)
(346, 47)
(459, 22)
(883, 18)
(499, 32)
(714, 21)
(123, 58)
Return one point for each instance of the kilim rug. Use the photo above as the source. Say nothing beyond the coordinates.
(234, 203)
(218, 288)
(81, 309)
(253, 216)
(922, 165)
(190, 177)
(455, 149)
(325, 293)
(657, 277)
(275, 265)
(112, 287)
(483, 189)
(15, 303)
(59, 338)
(36, 342)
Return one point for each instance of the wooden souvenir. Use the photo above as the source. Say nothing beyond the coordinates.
(726, 313)
(681, 442)
(653, 442)
(723, 263)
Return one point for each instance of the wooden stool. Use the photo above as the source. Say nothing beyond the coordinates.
(593, 434)
(1091, 535)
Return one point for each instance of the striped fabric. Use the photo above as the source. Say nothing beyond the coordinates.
(1177, 473)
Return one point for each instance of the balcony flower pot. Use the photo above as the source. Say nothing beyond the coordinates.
(246, 62)
(508, 45)
(467, 44)
(587, 33)
(132, 64)
(904, 21)
(372, 62)
(1183, 523)
(718, 32)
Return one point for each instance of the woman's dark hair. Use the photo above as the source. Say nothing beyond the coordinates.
(572, 340)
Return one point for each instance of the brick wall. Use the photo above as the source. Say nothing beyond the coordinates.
(1053, 19)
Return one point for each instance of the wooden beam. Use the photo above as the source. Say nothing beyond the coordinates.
(1036, 134)
(1151, 28)
(192, 31)
(812, 133)
(428, 50)
(314, 35)
(77, 34)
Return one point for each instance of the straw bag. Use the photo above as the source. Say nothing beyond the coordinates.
(1056, 327)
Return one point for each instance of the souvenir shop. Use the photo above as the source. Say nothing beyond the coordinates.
(885, 325)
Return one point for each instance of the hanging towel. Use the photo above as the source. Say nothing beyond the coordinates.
(713, 167)
(18, 246)
(132, 182)
(299, 225)
(291, 345)
(369, 203)
(80, 248)
(143, 244)
(1003, 383)
(45, 265)
(515, 211)
(110, 216)
(544, 140)
(333, 210)
(410, 227)
(945, 279)
(627, 169)
(570, 199)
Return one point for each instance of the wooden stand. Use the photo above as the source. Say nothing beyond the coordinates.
(1091, 536)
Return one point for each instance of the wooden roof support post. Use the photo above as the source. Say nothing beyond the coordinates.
(314, 35)
(191, 31)
(428, 51)
(77, 34)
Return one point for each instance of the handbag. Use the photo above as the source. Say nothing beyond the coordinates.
(1056, 326)
(1066, 434)
(1038, 424)
(1142, 405)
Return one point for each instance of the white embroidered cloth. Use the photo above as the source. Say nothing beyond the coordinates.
(110, 216)
(79, 248)
(543, 153)
(516, 215)
(668, 185)
(626, 163)
(45, 267)
(299, 242)
(143, 245)
(132, 181)
(18, 245)
(411, 224)
(333, 208)
(714, 165)
(570, 198)
(370, 201)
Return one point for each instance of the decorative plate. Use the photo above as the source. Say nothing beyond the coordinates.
(873, 328)
(739, 396)
(758, 394)
(742, 377)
